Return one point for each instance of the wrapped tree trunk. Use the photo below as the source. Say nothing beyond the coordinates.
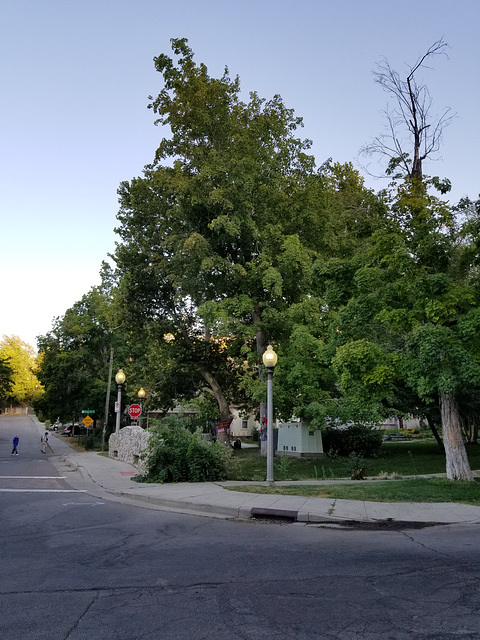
(458, 467)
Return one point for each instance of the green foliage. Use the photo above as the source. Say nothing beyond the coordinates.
(356, 465)
(74, 359)
(89, 443)
(409, 328)
(6, 380)
(360, 440)
(282, 466)
(176, 454)
(18, 372)
(231, 239)
(219, 243)
(438, 360)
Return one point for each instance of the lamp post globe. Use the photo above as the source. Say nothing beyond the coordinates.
(141, 395)
(120, 380)
(270, 360)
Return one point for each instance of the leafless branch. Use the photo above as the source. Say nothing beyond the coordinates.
(422, 133)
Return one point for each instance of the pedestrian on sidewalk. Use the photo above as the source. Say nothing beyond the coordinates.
(44, 441)
(16, 440)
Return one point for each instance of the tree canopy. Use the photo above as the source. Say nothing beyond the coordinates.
(6, 380)
(233, 238)
(75, 359)
(215, 236)
(18, 372)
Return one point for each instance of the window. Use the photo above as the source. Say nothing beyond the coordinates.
(244, 424)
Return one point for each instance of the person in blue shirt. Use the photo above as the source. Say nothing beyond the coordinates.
(16, 440)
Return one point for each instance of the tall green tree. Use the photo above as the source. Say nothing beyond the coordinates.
(343, 217)
(213, 236)
(21, 384)
(6, 380)
(414, 318)
(75, 358)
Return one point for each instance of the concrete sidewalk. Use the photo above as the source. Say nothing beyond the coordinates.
(107, 478)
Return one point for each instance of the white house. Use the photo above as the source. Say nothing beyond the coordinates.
(297, 440)
(241, 426)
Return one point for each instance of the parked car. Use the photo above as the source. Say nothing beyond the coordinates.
(75, 429)
(68, 430)
(56, 426)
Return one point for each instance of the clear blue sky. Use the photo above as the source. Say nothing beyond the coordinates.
(75, 79)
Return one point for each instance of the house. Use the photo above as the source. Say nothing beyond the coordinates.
(241, 426)
(295, 439)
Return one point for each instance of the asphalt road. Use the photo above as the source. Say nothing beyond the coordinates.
(78, 568)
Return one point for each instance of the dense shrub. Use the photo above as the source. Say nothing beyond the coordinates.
(89, 443)
(175, 454)
(358, 439)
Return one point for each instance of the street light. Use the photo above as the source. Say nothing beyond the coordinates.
(141, 396)
(120, 380)
(270, 360)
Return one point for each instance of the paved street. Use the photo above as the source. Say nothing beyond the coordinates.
(79, 567)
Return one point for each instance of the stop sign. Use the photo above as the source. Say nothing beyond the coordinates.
(134, 411)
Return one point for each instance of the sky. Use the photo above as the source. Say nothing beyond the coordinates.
(75, 79)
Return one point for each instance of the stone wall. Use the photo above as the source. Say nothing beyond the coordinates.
(128, 445)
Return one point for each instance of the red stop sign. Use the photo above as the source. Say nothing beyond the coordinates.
(134, 411)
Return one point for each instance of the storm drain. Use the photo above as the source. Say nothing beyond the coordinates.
(275, 516)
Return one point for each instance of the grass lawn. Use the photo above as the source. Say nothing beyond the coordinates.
(409, 490)
(395, 459)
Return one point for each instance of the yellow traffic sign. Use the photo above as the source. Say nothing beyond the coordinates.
(87, 421)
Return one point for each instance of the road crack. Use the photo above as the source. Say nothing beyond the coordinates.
(82, 616)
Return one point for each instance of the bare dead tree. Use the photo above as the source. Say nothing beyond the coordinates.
(413, 134)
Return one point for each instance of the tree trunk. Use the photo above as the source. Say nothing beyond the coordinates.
(436, 435)
(223, 405)
(107, 398)
(458, 467)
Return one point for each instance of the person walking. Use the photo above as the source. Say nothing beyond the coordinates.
(16, 440)
(44, 441)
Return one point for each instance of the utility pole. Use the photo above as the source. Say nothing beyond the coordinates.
(107, 399)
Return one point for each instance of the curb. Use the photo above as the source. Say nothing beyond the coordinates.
(214, 504)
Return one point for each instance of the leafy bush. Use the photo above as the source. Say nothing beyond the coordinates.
(283, 466)
(356, 465)
(358, 439)
(89, 443)
(175, 454)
